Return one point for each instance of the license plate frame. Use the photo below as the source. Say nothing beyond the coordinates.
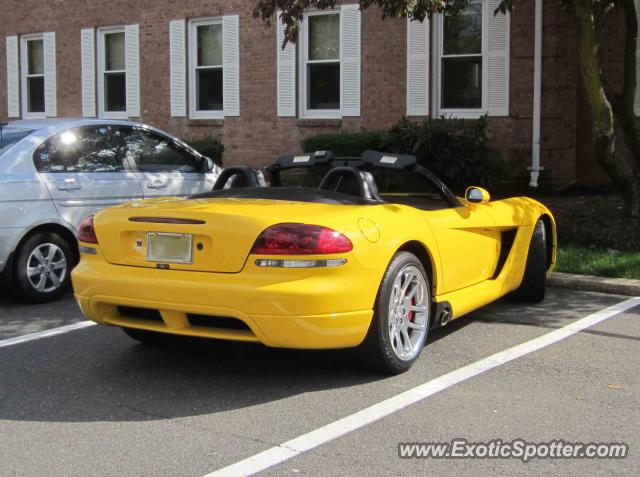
(183, 255)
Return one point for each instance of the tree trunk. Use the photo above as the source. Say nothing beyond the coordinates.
(623, 103)
(622, 175)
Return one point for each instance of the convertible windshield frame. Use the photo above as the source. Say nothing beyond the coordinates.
(369, 161)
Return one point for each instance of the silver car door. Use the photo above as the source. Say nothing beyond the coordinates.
(84, 171)
(165, 167)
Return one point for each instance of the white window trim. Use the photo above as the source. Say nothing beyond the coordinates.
(438, 44)
(24, 100)
(302, 61)
(194, 113)
(101, 111)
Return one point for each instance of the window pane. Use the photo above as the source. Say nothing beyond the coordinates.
(154, 152)
(87, 149)
(210, 45)
(114, 56)
(463, 33)
(323, 85)
(324, 37)
(35, 55)
(462, 83)
(115, 91)
(35, 94)
(209, 89)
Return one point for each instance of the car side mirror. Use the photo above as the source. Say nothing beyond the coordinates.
(207, 164)
(477, 195)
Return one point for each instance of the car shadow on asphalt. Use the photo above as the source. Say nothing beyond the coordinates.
(98, 374)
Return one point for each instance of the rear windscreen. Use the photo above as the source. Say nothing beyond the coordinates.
(303, 176)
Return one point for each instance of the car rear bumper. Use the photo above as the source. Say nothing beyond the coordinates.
(303, 308)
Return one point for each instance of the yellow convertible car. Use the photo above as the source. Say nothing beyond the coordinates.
(369, 252)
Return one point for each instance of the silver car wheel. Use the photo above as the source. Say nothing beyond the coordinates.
(46, 268)
(408, 313)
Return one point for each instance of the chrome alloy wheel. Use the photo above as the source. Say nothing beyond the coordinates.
(46, 267)
(408, 313)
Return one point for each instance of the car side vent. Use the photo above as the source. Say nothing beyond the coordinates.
(506, 244)
(223, 322)
(140, 313)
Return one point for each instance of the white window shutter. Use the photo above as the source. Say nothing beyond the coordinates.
(231, 65)
(13, 78)
(497, 58)
(178, 75)
(418, 68)
(88, 60)
(132, 62)
(50, 89)
(636, 99)
(350, 59)
(286, 82)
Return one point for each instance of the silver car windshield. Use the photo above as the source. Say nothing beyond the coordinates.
(10, 135)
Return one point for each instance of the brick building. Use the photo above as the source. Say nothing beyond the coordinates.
(200, 67)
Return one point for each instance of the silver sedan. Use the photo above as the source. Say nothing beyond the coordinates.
(53, 173)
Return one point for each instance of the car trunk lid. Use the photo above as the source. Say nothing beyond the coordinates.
(214, 235)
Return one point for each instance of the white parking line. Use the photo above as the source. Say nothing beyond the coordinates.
(322, 435)
(45, 334)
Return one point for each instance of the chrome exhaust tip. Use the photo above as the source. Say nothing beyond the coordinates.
(445, 317)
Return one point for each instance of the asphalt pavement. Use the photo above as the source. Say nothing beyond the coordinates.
(93, 402)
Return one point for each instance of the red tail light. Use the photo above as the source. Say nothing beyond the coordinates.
(300, 239)
(87, 232)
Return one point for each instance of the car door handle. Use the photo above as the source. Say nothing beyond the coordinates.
(156, 185)
(68, 184)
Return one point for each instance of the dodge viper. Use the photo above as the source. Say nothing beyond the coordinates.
(368, 252)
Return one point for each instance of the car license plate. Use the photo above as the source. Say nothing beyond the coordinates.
(166, 247)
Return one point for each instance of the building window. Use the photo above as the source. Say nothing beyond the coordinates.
(112, 72)
(460, 48)
(33, 76)
(206, 69)
(320, 65)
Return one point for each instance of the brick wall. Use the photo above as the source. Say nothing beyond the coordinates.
(257, 135)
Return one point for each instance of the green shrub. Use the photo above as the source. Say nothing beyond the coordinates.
(456, 150)
(345, 143)
(210, 146)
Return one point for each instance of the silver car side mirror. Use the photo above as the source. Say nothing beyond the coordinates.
(208, 164)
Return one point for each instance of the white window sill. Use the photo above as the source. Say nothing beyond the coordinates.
(207, 115)
(461, 113)
(34, 116)
(321, 114)
(120, 116)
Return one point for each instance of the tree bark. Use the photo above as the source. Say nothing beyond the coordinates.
(622, 175)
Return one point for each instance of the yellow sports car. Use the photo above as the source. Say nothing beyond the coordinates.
(371, 253)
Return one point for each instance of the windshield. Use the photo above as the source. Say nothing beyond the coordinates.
(10, 135)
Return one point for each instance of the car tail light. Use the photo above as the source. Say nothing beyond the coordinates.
(87, 232)
(300, 239)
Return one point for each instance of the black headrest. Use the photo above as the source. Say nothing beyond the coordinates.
(387, 159)
(241, 176)
(352, 181)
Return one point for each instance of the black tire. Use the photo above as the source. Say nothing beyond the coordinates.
(534, 282)
(143, 336)
(26, 286)
(377, 347)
